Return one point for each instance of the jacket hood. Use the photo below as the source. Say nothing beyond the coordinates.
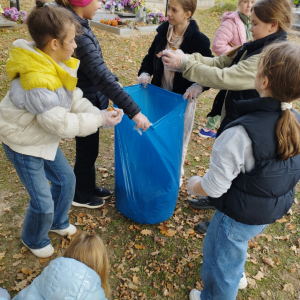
(36, 69)
(65, 279)
(232, 15)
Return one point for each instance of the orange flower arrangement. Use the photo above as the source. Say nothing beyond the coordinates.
(114, 23)
(102, 21)
(108, 22)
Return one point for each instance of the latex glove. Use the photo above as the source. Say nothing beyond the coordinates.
(141, 121)
(190, 185)
(144, 78)
(193, 92)
(111, 118)
(172, 59)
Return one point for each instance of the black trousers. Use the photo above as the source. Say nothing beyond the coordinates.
(87, 149)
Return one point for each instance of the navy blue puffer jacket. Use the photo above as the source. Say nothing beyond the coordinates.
(96, 81)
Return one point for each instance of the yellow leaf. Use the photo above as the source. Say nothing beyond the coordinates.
(139, 247)
(170, 232)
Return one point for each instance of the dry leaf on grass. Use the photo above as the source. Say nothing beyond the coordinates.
(283, 220)
(43, 260)
(135, 279)
(289, 288)
(2, 255)
(252, 282)
(155, 253)
(146, 232)
(170, 232)
(139, 247)
(21, 285)
(136, 269)
(268, 261)
(259, 276)
(17, 256)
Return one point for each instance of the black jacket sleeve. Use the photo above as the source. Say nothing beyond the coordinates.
(147, 63)
(93, 65)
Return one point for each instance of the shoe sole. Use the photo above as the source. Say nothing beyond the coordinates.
(202, 207)
(206, 136)
(200, 231)
(86, 205)
(104, 198)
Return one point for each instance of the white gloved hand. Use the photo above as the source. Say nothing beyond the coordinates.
(144, 78)
(172, 59)
(193, 92)
(141, 121)
(111, 118)
(191, 183)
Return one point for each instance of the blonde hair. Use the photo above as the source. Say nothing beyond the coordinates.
(280, 63)
(91, 251)
(269, 11)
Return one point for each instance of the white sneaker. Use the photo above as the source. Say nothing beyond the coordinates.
(43, 252)
(243, 282)
(194, 294)
(69, 230)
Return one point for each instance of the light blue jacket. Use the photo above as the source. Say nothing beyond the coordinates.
(64, 279)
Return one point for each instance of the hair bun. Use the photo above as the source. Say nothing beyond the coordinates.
(40, 3)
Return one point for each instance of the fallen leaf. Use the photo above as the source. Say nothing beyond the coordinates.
(155, 253)
(21, 285)
(135, 279)
(289, 288)
(291, 226)
(139, 247)
(16, 263)
(132, 286)
(170, 232)
(43, 260)
(136, 269)
(259, 276)
(166, 292)
(152, 293)
(251, 281)
(296, 201)
(283, 220)
(2, 255)
(268, 261)
(17, 256)
(27, 271)
(146, 232)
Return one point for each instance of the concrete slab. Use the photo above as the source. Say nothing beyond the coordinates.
(123, 31)
(5, 23)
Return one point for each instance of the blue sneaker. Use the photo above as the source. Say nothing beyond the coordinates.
(207, 133)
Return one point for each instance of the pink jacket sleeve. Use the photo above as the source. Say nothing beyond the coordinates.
(223, 36)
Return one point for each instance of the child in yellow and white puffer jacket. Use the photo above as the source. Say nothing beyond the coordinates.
(43, 106)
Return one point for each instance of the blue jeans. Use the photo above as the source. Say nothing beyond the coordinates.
(224, 256)
(48, 206)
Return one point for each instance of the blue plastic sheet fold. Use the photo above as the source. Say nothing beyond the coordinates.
(147, 166)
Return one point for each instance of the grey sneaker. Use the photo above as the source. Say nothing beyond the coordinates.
(203, 202)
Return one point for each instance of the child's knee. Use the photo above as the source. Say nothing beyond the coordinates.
(4, 294)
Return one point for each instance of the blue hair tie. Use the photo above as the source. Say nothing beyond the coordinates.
(45, 4)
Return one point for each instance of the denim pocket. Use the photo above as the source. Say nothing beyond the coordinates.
(241, 232)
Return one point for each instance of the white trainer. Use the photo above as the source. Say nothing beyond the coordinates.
(243, 282)
(194, 294)
(63, 232)
(43, 252)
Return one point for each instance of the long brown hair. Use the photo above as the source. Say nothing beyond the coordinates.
(65, 3)
(46, 22)
(280, 63)
(91, 251)
(189, 5)
(269, 11)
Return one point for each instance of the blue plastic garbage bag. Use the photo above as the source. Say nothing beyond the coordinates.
(147, 166)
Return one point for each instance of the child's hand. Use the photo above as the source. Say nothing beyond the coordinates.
(111, 118)
(191, 183)
(144, 78)
(172, 59)
(193, 92)
(141, 121)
